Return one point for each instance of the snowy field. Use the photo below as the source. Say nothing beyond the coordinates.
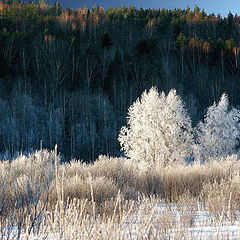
(160, 221)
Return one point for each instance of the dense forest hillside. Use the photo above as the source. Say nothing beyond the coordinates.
(68, 76)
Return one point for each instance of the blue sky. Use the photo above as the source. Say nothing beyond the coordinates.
(211, 6)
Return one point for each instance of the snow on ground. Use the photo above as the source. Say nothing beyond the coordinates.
(166, 221)
(205, 226)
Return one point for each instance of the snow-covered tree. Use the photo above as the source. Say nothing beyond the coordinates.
(158, 129)
(218, 134)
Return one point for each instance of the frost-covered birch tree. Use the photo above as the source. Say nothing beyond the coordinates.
(158, 129)
(218, 134)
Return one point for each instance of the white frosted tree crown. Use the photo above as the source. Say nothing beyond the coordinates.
(158, 129)
(218, 134)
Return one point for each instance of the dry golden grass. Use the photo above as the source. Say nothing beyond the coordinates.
(37, 191)
(35, 175)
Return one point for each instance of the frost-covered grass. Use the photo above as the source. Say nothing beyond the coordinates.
(115, 198)
(146, 218)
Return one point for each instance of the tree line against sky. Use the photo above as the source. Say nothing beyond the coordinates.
(68, 76)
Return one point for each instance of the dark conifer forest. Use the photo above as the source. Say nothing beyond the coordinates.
(67, 76)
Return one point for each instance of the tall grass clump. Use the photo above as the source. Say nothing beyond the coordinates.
(38, 191)
(33, 178)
